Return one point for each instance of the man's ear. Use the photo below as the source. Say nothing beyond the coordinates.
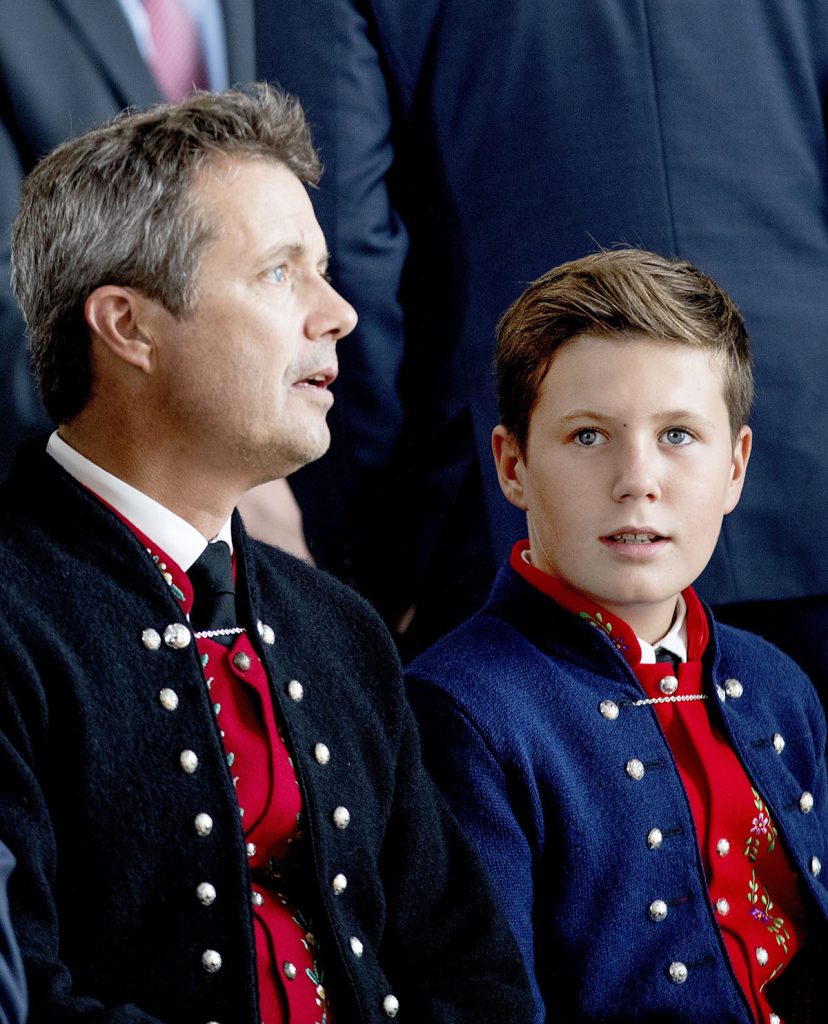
(509, 464)
(738, 468)
(115, 316)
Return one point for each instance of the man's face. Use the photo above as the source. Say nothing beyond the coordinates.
(245, 378)
(630, 467)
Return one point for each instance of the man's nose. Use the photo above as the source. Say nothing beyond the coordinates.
(331, 316)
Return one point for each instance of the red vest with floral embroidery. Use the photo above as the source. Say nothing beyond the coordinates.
(753, 886)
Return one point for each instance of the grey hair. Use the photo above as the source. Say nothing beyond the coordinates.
(116, 206)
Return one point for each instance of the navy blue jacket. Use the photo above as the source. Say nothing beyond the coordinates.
(508, 706)
(101, 816)
(471, 145)
(66, 65)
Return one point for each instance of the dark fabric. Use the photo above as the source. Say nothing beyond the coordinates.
(470, 146)
(12, 982)
(214, 591)
(512, 729)
(100, 814)
(66, 65)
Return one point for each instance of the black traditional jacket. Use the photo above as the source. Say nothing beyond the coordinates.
(113, 830)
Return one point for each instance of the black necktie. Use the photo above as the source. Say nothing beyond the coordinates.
(663, 655)
(214, 593)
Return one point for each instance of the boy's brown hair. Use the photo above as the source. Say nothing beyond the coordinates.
(619, 291)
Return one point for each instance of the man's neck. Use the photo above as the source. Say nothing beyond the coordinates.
(196, 498)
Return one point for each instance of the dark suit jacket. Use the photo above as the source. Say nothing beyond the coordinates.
(473, 144)
(66, 65)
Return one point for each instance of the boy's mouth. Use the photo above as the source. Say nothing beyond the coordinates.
(634, 538)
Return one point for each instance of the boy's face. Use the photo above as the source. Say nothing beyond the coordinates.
(630, 467)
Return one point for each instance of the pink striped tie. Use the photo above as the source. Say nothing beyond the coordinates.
(178, 61)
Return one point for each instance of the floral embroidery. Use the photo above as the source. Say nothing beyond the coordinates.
(760, 826)
(761, 907)
(162, 568)
(597, 620)
(773, 974)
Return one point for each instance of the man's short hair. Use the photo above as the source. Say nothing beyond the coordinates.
(115, 206)
(619, 291)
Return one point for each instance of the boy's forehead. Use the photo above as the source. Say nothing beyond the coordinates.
(610, 368)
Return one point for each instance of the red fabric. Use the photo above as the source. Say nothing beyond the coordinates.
(724, 804)
(269, 797)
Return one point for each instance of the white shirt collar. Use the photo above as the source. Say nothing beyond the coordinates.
(674, 640)
(177, 538)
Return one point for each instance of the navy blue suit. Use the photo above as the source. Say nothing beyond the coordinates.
(470, 146)
(66, 65)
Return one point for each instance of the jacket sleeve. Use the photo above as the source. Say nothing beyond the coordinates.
(26, 828)
(23, 413)
(444, 923)
(494, 809)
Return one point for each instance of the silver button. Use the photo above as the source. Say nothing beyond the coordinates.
(339, 884)
(733, 688)
(189, 761)
(761, 956)
(203, 824)
(635, 769)
(341, 817)
(391, 1005)
(816, 866)
(657, 910)
(257, 899)
(168, 699)
(723, 847)
(655, 837)
(211, 961)
(206, 893)
(609, 709)
(356, 946)
(806, 802)
(678, 972)
(774, 1019)
(722, 907)
(321, 753)
(289, 970)
(668, 685)
(266, 632)
(151, 639)
(721, 694)
(251, 849)
(778, 742)
(295, 690)
(177, 636)
(241, 661)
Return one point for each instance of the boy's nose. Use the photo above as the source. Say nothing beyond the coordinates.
(637, 477)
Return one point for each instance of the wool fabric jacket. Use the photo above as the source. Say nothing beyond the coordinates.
(118, 802)
(516, 729)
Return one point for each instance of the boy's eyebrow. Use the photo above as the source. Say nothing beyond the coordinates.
(662, 414)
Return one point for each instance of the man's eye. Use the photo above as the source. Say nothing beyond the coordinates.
(278, 275)
(588, 437)
(677, 436)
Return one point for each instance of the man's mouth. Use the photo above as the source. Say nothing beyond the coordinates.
(319, 381)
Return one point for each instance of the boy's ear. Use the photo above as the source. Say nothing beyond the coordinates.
(738, 468)
(509, 463)
(115, 316)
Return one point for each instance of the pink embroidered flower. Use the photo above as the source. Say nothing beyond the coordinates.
(761, 824)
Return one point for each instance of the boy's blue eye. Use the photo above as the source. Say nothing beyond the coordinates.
(677, 436)
(587, 437)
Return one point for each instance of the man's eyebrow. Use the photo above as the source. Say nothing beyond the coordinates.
(293, 250)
